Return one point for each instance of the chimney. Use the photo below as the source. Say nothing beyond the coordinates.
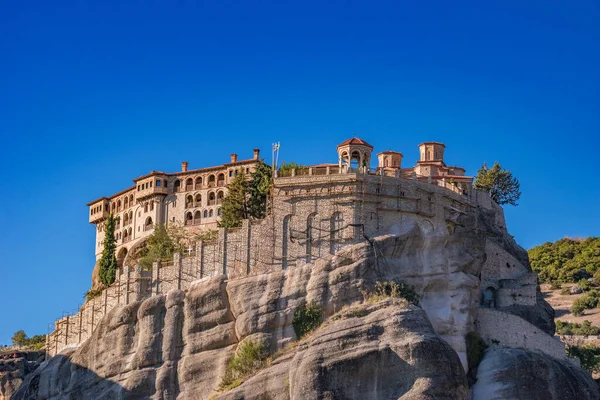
(256, 153)
(184, 166)
(233, 157)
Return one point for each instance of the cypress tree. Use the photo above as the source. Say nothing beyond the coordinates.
(258, 189)
(108, 262)
(235, 203)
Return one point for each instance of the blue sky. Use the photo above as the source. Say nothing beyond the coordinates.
(93, 94)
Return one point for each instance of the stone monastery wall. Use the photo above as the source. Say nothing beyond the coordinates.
(311, 216)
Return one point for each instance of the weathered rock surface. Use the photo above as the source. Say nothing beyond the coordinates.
(13, 370)
(519, 374)
(383, 351)
(177, 346)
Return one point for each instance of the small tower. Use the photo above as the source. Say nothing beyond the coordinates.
(354, 155)
(432, 151)
(390, 159)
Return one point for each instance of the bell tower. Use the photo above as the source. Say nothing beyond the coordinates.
(354, 155)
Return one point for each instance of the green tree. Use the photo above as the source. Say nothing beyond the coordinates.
(502, 186)
(285, 167)
(108, 262)
(567, 260)
(236, 203)
(19, 338)
(259, 189)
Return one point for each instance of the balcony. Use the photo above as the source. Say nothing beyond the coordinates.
(211, 184)
(212, 202)
(220, 183)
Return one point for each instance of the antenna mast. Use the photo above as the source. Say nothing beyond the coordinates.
(275, 155)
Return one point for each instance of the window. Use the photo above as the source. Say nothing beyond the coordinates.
(158, 183)
(150, 183)
(205, 214)
(210, 213)
(151, 206)
(230, 173)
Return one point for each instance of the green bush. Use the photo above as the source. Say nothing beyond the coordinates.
(586, 302)
(92, 294)
(584, 285)
(249, 358)
(565, 291)
(569, 328)
(588, 355)
(475, 349)
(396, 289)
(307, 318)
(555, 286)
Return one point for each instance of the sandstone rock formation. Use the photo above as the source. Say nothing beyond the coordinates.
(519, 374)
(178, 345)
(14, 370)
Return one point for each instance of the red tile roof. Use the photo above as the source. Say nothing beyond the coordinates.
(355, 140)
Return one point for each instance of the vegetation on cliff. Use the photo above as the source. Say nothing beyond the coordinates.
(500, 183)
(108, 262)
(165, 241)
(567, 260)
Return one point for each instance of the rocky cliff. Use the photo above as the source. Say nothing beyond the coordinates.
(15, 365)
(177, 346)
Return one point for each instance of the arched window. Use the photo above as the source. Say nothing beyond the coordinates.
(125, 219)
(189, 201)
(336, 225)
(211, 180)
(117, 222)
(198, 200)
(121, 255)
(148, 225)
(113, 207)
(118, 205)
(151, 206)
(211, 213)
(131, 200)
(188, 218)
(146, 207)
(205, 213)
(197, 218)
(211, 199)
(198, 183)
(126, 202)
(177, 186)
(219, 211)
(130, 216)
(220, 195)
(309, 236)
(125, 237)
(221, 180)
(285, 238)
(189, 184)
